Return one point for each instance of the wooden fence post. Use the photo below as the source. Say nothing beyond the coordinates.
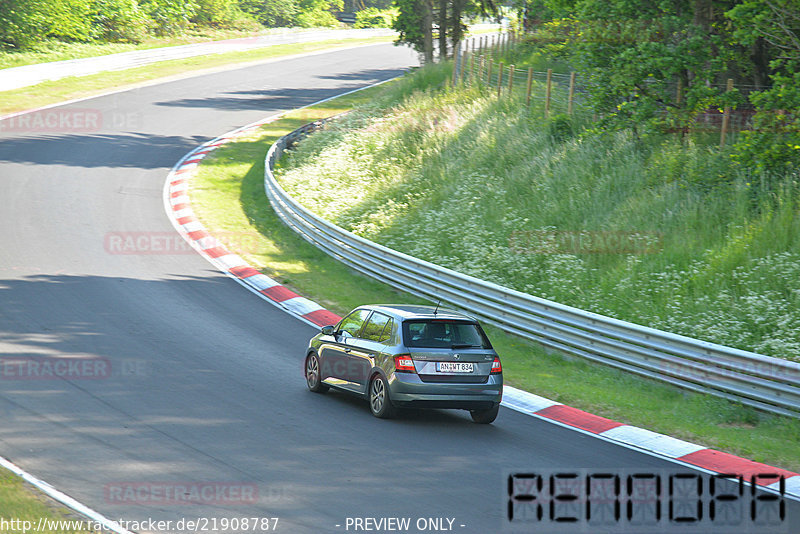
(500, 79)
(548, 92)
(489, 72)
(530, 84)
(726, 117)
(456, 58)
(510, 79)
(571, 92)
(471, 78)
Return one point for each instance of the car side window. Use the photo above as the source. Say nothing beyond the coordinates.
(373, 330)
(388, 335)
(351, 325)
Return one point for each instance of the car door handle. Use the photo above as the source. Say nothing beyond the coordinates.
(348, 350)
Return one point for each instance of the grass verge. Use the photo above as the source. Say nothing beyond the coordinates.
(71, 88)
(50, 50)
(228, 197)
(22, 507)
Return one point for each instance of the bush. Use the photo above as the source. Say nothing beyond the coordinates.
(26, 22)
(119, 21)
(272, 13)
(168, 16)
(22, 22)
(774, 144)
(317, 13)
(373, 17)
(560, 127)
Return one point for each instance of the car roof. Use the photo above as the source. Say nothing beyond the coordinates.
(413, 311)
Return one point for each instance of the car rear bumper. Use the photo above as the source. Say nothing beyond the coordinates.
(406, 389)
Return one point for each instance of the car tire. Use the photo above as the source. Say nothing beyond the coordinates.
(313, 376)
(378, 395)
(484, 417)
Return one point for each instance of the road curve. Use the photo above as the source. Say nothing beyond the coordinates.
(205, 386)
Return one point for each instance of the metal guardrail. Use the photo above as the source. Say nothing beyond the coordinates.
(764, 382)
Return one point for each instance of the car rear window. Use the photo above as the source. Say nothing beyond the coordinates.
(444, 333)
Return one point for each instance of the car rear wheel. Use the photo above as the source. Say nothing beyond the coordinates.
(313, 377)
(379, 402)
(485, 417)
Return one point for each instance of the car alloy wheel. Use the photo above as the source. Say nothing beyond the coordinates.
(379, 403)
(313, 379)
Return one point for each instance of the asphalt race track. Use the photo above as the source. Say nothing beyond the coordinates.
(192, 382)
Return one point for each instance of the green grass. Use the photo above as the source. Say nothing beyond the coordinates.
(80, 87)
(658, 231)
(54, 50)
(21, 503)
(227, 195)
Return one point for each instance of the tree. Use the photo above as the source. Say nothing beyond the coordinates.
(414, 24)
(774, 143)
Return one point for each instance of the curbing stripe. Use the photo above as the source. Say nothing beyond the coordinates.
(63, 498)
(728, 463)
(302, 306)
(280, 293)
(579, 418)
(652, 441)
(260, 281)
(658, 445)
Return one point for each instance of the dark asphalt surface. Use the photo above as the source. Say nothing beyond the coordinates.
(206, 381)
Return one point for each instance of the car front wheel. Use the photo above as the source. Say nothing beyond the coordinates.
(379, 402)
(485, 417)
(313, 377)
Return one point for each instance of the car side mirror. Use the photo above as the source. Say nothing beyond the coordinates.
(328, 330)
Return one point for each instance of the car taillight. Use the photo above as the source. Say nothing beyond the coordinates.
(404, 364)
(496, 367)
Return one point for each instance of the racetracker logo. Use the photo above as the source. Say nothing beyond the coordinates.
(171, 243)
(55, 120)
(180, 493)
(584, 242)
(47, 368)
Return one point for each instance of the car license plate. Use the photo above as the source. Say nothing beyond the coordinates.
(453, 367)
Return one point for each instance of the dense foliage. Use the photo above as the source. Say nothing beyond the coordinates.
(656, 66)
(24, 23)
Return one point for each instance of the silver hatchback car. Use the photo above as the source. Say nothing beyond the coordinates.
(408, 356)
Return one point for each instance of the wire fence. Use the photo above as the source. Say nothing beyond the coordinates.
(483, 60)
